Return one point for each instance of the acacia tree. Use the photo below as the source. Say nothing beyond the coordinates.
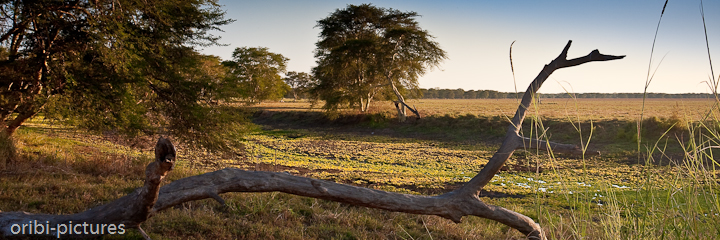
(256, 71)
(366, 51)
(121, 65)
(299, 82)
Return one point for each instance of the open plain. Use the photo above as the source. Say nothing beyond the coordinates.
(664, 187)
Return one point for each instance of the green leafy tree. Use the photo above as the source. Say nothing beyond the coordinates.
(366, 52)
(121, 65)
(299, 82)
(256, 72)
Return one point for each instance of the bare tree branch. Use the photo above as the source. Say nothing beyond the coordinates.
(512, 139)
(412, 109)
(401, 100)
(450, 205)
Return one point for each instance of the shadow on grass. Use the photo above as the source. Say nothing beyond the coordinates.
(617, 138)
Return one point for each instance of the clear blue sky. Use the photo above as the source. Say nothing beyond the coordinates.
(477, 37)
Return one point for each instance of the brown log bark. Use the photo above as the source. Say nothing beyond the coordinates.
(136, 207)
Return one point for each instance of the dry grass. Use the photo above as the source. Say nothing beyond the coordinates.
(584, 108)
(64, 170)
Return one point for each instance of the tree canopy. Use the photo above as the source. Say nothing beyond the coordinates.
(365, 52)
(299, 82)
(121, 65)
(256, 73)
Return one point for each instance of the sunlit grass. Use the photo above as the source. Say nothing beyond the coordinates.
(597, 109)
(65, 170)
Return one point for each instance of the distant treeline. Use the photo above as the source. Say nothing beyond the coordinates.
(475, 94)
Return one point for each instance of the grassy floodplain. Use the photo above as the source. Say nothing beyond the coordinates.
(596, 109)
(667, 190)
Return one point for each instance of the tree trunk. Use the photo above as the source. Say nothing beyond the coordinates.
(371, 95)
(133, 208)
(27, 106)
(362, 105)
(402, 116)
(19, 120)
(400, 104)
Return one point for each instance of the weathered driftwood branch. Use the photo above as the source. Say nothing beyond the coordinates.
(138, 206)
(513, 140)
(401, 105)
(450, 205)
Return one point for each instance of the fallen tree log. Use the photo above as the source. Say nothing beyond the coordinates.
(135, 208)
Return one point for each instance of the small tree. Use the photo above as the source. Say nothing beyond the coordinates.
(366, 51)
(257, 73)
(299, 83)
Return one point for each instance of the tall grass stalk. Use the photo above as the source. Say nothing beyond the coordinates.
(512, 69)
(638, 218)
(707, 46)
(648, 80)
(578, 224)
(581, 218)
